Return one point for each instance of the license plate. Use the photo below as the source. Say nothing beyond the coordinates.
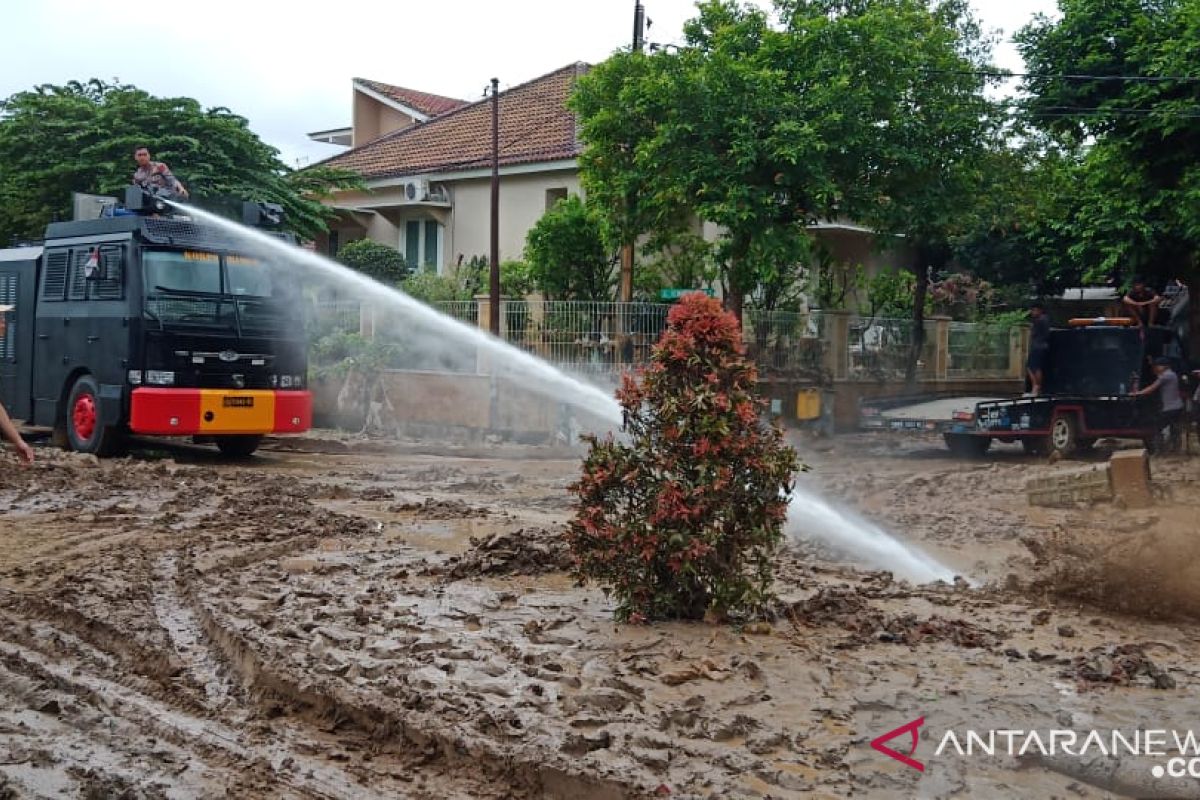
(238, 402)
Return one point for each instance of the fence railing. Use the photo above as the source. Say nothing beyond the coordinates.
(603, 339)
(880, 348)
(980, 349)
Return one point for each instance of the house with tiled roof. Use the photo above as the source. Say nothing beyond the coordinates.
(379, 108)
(427, 162)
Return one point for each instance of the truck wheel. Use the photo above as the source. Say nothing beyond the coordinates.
(1036, 445)
(1064, 435)
(964, 445)
(239, 445)
(86, 431)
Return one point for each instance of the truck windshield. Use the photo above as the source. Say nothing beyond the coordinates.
(197, 288)
(188, 271)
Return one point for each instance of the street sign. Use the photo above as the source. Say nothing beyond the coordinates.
(675, 294)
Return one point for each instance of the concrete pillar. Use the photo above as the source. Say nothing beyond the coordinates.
(941, 346)
(837, 344)
(483, 311)
(1130, 474)
(1018, 347)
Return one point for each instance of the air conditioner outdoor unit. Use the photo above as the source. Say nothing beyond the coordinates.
(416, 191)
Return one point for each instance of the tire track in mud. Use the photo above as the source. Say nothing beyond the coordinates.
(225, 747)
(183, 630)
(469, 766)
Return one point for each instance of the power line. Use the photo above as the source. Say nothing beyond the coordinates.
(1066, 76)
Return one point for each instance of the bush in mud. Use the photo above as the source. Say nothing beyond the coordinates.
(680, 519)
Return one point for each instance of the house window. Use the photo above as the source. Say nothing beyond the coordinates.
(553, 196)
(334, 243)
(422, 245)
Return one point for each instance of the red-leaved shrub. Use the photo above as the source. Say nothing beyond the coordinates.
(681, 517)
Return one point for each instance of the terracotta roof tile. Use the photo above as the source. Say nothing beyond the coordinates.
(431, 105)
(535, 125)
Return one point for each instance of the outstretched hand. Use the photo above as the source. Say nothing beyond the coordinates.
(25, 452)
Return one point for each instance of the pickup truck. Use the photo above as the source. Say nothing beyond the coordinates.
(1093, 368)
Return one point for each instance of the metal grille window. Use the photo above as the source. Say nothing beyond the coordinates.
(54, 279)
(112, 263)
(8, 297)
(77, 287)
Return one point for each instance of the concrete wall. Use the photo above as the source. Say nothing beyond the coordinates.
(459, 405)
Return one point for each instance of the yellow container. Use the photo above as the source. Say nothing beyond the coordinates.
(808, 404)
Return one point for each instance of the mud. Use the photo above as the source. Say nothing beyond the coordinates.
(339, 618)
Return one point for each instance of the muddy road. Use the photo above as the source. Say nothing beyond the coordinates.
(333, 620)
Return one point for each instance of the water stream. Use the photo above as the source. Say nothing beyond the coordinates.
(809, 516)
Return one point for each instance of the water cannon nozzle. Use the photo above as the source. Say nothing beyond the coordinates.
(262, 215)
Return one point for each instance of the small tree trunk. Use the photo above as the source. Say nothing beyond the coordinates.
(921, 269)
(735, 301)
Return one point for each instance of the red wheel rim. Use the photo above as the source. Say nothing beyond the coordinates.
(84, 416)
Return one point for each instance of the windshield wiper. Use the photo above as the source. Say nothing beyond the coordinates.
(217, 296)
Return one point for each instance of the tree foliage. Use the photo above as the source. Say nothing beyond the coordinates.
(80, 137)
(379, 261)
(567, 256)
(683, 519)
(872, 111)
(1132, 200)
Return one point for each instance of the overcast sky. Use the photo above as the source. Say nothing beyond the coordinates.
(287, 66)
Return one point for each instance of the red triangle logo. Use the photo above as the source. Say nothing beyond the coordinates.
(910, 728)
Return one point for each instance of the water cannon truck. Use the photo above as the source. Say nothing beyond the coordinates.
(146, 322)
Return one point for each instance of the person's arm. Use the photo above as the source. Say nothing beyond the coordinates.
(1151, 389)
(10, 432)
(173, 183)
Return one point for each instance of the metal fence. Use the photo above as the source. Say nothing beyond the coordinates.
(880, 348)
(979, 349)
(787, 343)
(584, 337)
(603, 339)
(462, 310)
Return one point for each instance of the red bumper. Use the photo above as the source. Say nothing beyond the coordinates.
(218, 411)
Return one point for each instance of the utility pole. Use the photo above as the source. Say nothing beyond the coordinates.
(639, 26)
(494, 282)
(639, 43)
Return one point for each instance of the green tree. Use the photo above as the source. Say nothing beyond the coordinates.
(1134, 184)
(431, 288)
(79, 137)
(567, 256)
(681, 518)
(379, 261)
(617, 105)
(869, 110)
(904, 81)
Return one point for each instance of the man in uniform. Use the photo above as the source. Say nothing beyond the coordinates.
(155, 174)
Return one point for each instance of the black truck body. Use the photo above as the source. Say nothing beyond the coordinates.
(150, 324)
(1091, 372)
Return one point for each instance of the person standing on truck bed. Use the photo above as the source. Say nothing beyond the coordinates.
(1142, 302)
(6, 425)
(153, 175)
(1039, 347)
(1171, 413)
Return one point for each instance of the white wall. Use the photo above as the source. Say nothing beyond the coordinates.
(522, 204)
